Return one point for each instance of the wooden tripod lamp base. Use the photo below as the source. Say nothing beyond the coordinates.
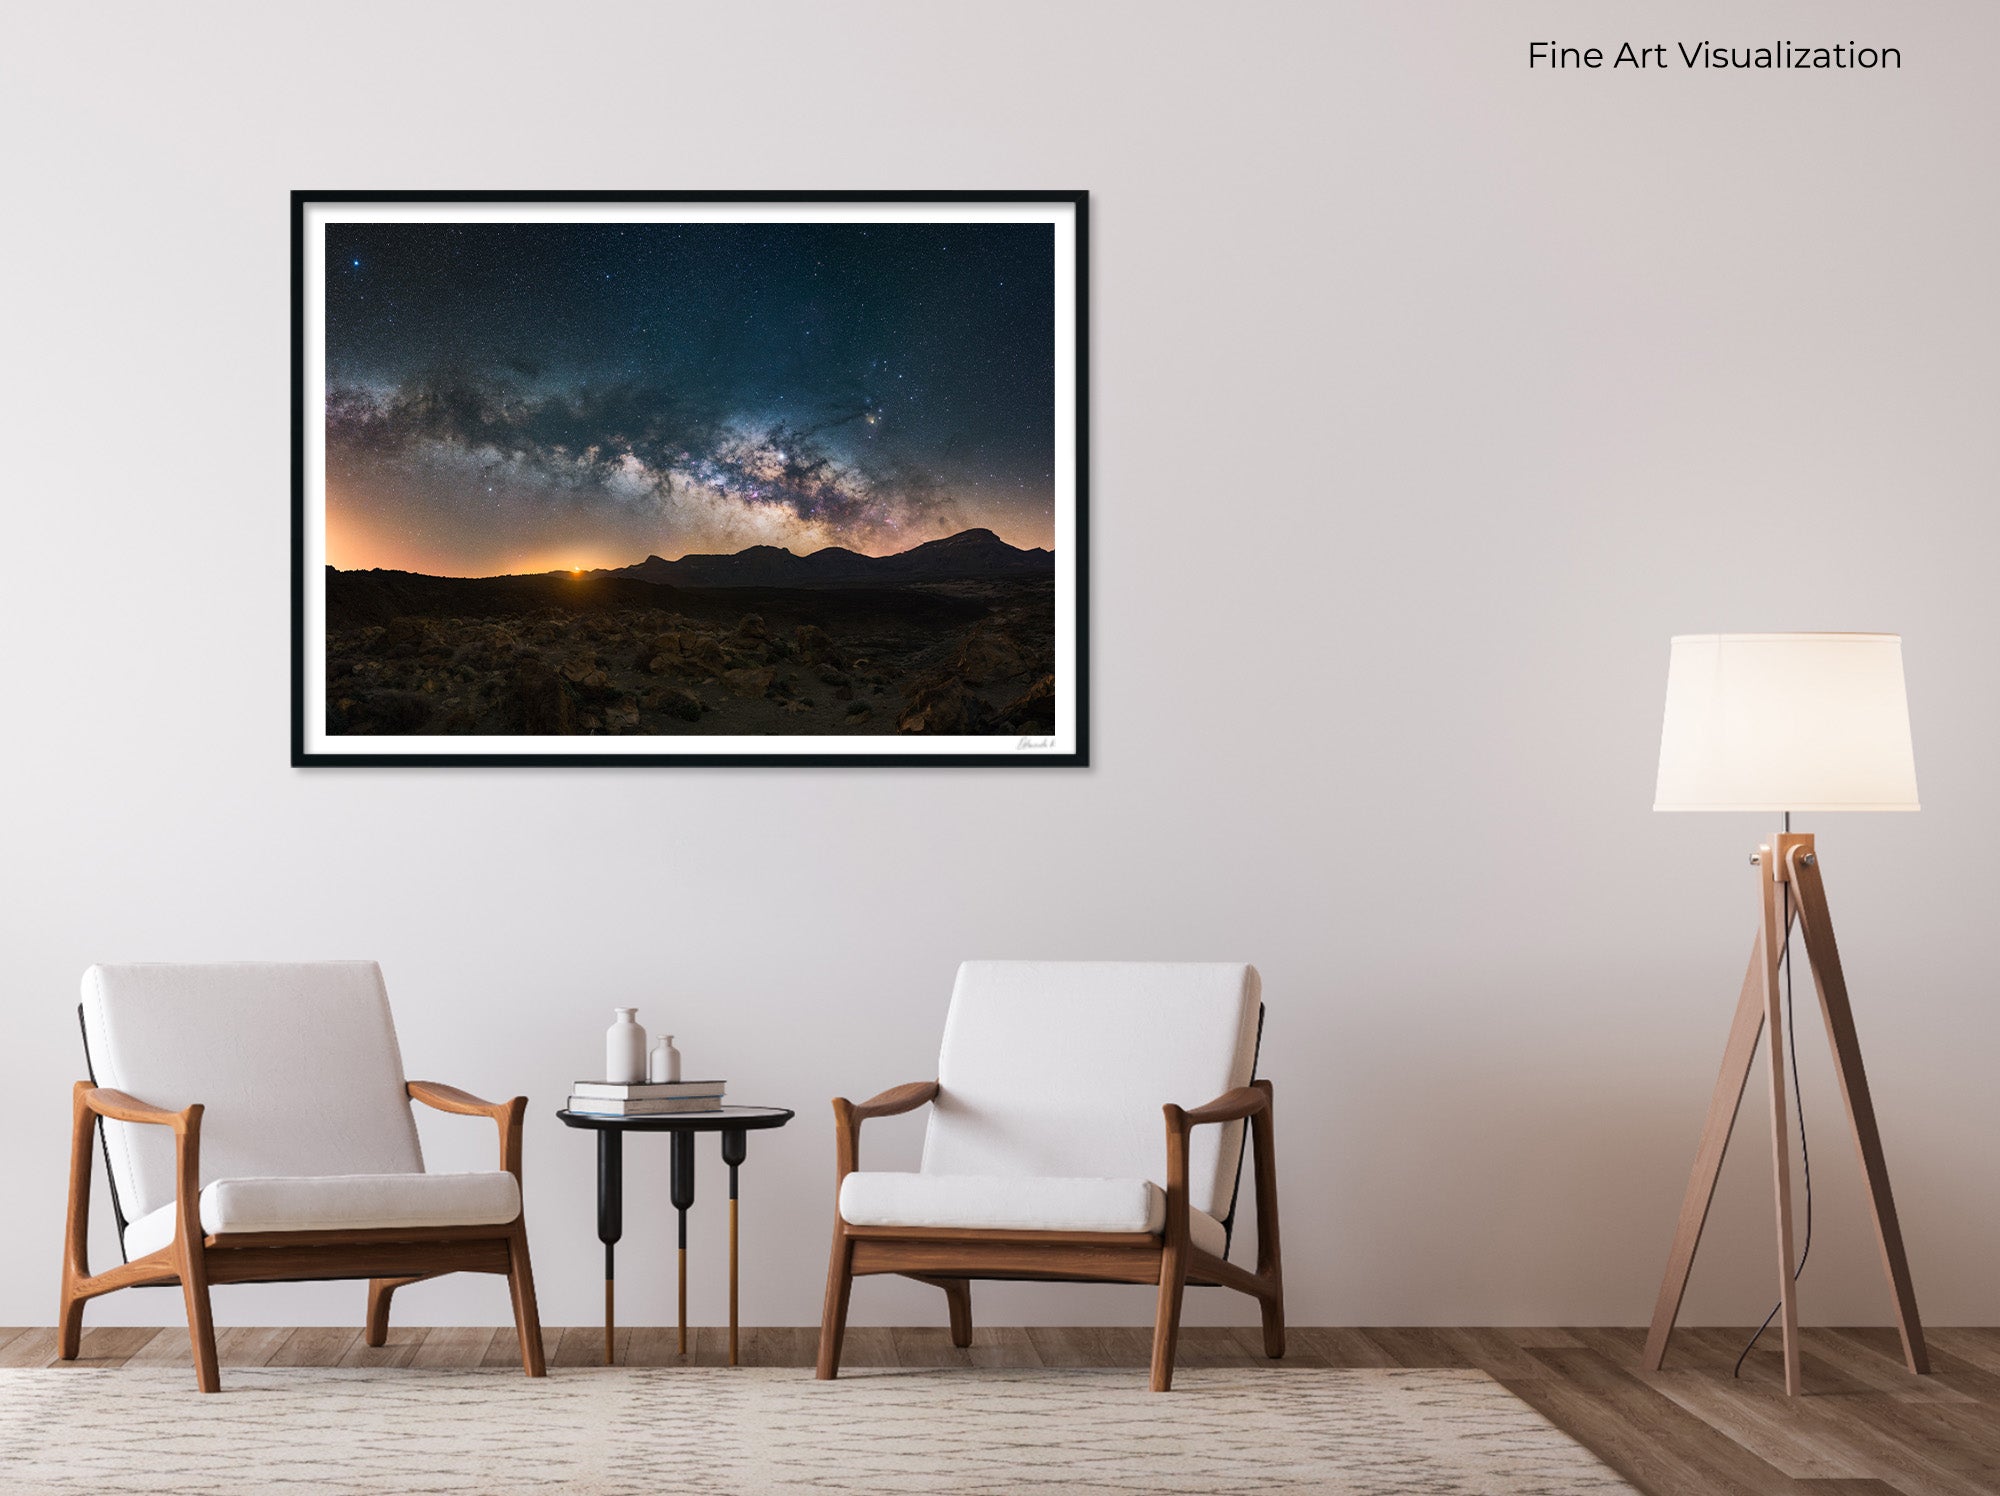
(1788, 887)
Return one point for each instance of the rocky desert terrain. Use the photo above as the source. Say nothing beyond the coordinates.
(608, 654)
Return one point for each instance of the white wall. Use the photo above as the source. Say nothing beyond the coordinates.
(1430, 396)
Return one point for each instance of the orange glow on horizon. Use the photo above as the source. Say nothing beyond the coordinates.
(357, 540)
(357, 550)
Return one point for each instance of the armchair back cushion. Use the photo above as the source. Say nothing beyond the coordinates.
(1060, 1068)
(295, 1065)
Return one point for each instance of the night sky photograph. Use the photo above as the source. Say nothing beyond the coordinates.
(511, 398)
(687, 483)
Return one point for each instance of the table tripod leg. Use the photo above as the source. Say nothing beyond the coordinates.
(610, 1215)
(682, 1181)
(732, 1264)
(735, 1148)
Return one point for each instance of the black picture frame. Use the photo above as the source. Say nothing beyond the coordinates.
(1078, 756)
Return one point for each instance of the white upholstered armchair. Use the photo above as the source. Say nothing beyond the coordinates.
(1047, 1154)
(257, 1128)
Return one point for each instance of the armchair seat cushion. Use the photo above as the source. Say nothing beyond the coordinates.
(998, 1202)
(339, 1202)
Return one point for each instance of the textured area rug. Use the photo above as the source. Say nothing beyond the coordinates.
(1271, 1432)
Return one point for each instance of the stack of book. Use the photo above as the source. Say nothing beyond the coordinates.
(604, 1098)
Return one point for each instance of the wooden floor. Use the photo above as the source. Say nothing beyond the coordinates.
(1865, 1427)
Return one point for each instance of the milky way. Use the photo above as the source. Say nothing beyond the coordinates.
(516, 397)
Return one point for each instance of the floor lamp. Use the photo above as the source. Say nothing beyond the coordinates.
(1785, 722)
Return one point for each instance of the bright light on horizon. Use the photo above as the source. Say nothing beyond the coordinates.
(355, 547)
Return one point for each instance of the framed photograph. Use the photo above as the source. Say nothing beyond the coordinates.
(689, 478)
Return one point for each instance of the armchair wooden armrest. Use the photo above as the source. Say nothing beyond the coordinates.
(848, 1117)
(464, 1103)
(507, 1115)
(1253, 1100)
(1231, 1106)
(120, 1107)
(892, 1101)
(88, 1103)
(1251, 1103)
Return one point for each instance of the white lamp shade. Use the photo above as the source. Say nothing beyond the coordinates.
(1786, 722)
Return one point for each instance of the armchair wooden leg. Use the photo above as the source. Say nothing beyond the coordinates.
(1274, 1325)
(201, 1326)
(191, 1260)
(1173, 1252)
(1167, 1320)
(958, 1301)
(376, 1331)
(527, 1315)
(1270, 1268)
(76, 1230)
(69, 1338)
(833, 1319)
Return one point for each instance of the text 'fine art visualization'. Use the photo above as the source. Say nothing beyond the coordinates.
(689, 479)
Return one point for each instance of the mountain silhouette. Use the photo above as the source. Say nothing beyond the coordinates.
(969, 555)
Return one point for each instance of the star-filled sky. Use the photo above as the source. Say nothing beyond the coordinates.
(526, 397)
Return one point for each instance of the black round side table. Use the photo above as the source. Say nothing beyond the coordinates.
(735, 1123)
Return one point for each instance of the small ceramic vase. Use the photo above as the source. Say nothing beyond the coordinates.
(625, 1049)
(666, 1062)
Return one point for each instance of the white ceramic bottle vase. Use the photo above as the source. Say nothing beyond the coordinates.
(666, 1062)
(625, 1049)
